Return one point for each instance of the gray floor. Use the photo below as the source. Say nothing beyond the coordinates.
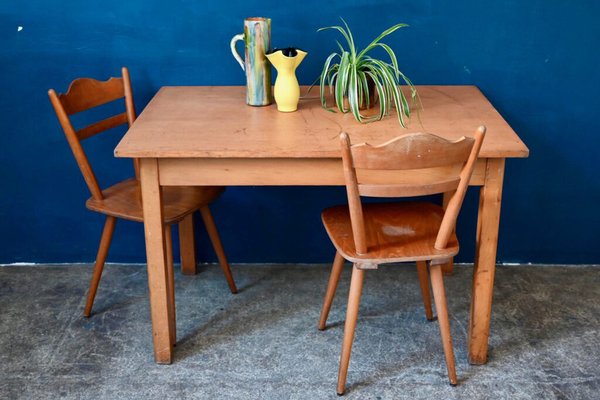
(263, 343)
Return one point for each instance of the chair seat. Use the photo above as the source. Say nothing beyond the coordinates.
(396, 232)
(123, 200)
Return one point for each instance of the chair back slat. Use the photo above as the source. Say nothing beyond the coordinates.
(408, 190)
(416, 164)
(412, 151)
(408, 182)
(86, 93)
(101, 126)
(83, 94)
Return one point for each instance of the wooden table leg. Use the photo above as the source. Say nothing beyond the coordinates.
(484, 268)
(448, 268)
(187, 245)
(156, 259)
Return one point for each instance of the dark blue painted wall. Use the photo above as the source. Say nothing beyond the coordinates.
(537, 61)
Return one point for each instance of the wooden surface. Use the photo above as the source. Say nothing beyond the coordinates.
(396, 232)
(208, 136)
(488, 221)
(356, 285)
(441, 307)
(123, 200)
(214, 122)
(380, 233)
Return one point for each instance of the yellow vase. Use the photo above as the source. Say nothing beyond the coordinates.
(287, 90)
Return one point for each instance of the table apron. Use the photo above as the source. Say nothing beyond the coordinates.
(264, 172)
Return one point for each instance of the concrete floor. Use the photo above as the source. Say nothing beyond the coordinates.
(263, 343)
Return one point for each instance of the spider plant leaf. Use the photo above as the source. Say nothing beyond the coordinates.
(359, 86)
(380, 71)
(351, 41)
(397, 94)
(332, 81)
(330, 78)
(393, 58)
(381, 93)
(414, 95)
(381, 36)
(312, 85)
(365, 88)
(323, 79)
(341, 85)
(353, 100)
(342, 31)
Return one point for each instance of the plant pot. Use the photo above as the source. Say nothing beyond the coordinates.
(363, 104)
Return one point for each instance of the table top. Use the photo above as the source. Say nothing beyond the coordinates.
(215, 122)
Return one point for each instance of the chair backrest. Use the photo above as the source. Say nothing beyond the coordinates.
(415, 164)
(86, 93)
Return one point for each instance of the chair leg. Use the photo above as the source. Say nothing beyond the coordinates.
(107, 232)
(439, 294)
(211, 228)
(170, 284)
(424, 282)
(356, 285)
(336, 271)
(187, 245)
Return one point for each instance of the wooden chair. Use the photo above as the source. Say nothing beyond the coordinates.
(368, 235)
(123, 200)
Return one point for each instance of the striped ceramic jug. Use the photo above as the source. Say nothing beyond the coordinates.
(257, 40)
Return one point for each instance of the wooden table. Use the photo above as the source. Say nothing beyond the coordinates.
(208, 136)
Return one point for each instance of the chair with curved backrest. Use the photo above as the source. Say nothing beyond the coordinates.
(123, 200)
(371, 234)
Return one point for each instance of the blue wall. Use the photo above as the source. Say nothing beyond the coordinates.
(537, 61)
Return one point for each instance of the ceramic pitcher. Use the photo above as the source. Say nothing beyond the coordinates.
(287, 90)
(257, 41)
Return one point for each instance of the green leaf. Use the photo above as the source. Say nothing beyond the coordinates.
(365, 88)
(392, 55)
(381, 94)
(381, 36)
(341, 84)
(343, 32)
(353, 93)
(397, 94)
(324, 75)
(351, 41)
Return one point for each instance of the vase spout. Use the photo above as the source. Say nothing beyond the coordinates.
(286, 59)
(299, 57)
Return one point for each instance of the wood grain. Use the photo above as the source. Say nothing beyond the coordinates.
(334, 277)
(187, 245)
(122, 201)
(86, 93)
(175, 124)
(288, 172)
(160, 300)
(488, 221)
(356, 285)
(411, 151)
(396, 232)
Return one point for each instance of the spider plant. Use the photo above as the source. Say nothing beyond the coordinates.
(348, 73)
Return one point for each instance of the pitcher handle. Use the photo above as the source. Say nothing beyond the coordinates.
(234, 51)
